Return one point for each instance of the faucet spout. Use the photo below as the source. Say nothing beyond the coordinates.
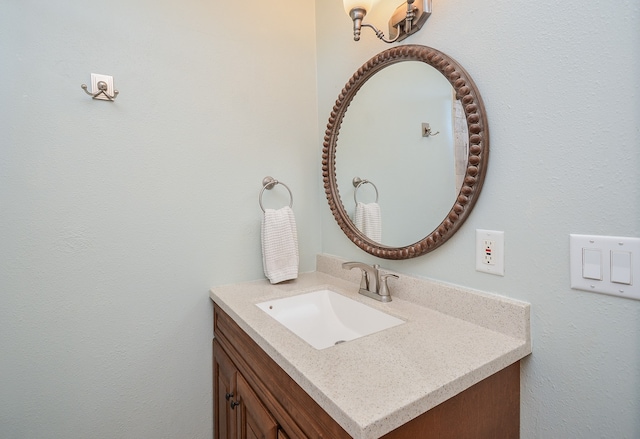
(370, 281)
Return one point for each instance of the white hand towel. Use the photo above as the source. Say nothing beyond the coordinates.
(279, 245)
(368, 220)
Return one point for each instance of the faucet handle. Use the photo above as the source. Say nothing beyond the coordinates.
(384, 288)
(364, 281)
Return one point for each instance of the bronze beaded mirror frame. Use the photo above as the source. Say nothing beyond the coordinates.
(465, 91)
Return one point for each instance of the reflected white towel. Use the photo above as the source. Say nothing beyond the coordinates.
(279, 245)
(369, 221)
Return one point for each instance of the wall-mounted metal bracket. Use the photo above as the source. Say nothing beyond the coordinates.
(101, 87)
(400, 27)
(426, 131)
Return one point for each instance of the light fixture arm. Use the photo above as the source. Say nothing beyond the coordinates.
(380, 34)
(357, 15)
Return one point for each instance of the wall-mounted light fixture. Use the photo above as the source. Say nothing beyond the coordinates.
(407, 19)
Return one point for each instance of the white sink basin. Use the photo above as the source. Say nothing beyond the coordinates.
(325, 318)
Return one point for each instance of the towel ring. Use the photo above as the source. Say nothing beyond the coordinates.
(357, 182)
(269, 183)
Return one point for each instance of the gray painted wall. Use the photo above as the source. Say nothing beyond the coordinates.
(560, 82)
(116, 218)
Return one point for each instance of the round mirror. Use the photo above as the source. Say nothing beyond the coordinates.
(413, 152)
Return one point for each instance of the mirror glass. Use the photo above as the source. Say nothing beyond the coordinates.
(415, 178)
(412, 189)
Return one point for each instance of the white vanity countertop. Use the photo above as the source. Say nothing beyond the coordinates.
(377, 383)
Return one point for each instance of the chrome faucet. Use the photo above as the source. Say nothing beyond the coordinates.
(372, 283)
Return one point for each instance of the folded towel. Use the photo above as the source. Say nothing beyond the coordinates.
(368, 220)
(279, 245)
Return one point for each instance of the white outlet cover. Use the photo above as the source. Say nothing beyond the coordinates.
(498, 251)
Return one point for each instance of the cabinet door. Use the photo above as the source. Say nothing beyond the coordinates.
(224, 391)
(253, 419)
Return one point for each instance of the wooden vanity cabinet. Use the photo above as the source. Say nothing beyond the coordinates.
(269, 403)
(239, 413)
(255, 398)
(225, 388)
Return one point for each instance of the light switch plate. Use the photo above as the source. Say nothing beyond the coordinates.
(620, 257)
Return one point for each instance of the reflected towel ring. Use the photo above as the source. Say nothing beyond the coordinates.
(357, 182)
(269, 183)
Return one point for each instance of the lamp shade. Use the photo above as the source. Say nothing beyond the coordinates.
(357, 4)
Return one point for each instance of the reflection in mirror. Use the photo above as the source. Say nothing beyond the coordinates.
(416, 127)
(420, 176)
(367, 216)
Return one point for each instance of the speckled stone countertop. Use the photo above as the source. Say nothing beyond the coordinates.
(453, 338)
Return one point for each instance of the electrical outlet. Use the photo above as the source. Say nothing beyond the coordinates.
(490, 252)
(488, 246)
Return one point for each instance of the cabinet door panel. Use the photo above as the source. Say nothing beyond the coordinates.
(254, 421)
(296, 412)
(224, 382)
